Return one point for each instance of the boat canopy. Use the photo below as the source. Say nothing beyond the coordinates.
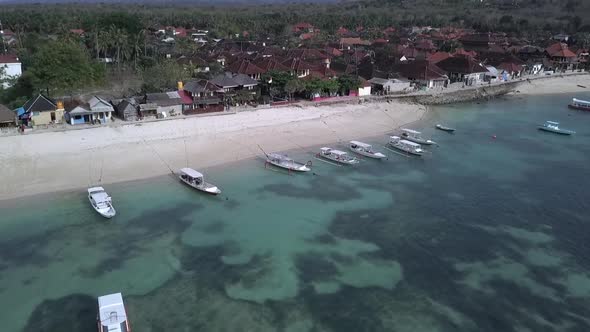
(99, 197)
(416, 145)
(361, 144)
(410, 131)
(111, 309)
(552, 122)
(339, 153)
(95, 190)
(191, 172)
(324, 149)
(582, 102)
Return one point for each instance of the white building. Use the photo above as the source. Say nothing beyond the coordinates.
(11, 68)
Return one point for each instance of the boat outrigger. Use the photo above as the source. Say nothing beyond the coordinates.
(337, 156)
(579, 104)
(365, 149)
(112, 316)
(405, 146)
(281, 160)
(553, 127)
(443, 128)
(415, 136)
(197, 181)
(101, 202)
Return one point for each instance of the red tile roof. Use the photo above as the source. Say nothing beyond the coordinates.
(560, 50)
(438, 56)
(461, 51)
(510, 67)
(77, 31)
(9, 58)
(270, 64)
(245, 67)
(353, 41)
(380, 41)
(297, 64)
(341, 31)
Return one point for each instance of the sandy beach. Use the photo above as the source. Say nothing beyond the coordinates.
(64, 160)
(53, 161)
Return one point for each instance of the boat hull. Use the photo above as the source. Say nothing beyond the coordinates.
(559, 132)
(413, 153)
(302, 168)
(578, 107)
(106, 213)
(419, 141)
(377, 155)
(448, 130)
(211, 191)
(340, 161)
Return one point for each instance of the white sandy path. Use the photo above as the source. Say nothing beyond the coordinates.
(54, 161)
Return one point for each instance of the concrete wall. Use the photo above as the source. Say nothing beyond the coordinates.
(44, 118)
(483, 92)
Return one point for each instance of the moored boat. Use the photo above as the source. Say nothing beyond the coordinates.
(405, 146)
(281, 160)
(415, 136)
(553, 127)
(112, 316)
(579, 104)
(444, 128)
(197, 181)
(365, 149)
(337, 156)
(101, 202)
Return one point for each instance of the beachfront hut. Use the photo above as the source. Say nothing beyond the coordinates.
(7, 117)
(389, 85)
(42, 110)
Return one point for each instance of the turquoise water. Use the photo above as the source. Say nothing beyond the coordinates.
(482, 234)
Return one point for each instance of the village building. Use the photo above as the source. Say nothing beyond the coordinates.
(10, 69)
(205, 97)
(561, 57)
(423, 74)
(8, 118)
(389, 85)
(127, 109)
(464, 69)
(246, 67)
(41, 110)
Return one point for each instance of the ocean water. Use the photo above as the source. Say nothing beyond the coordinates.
(482, 234)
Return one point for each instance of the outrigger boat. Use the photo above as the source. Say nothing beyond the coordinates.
(197, 181)
(281, 160)
(405, 146)
(337, 156)
(553, 127)
(101, 202)
(579, 104)
(365, 149)
(415, 136)
(443, 128)
(112, 316)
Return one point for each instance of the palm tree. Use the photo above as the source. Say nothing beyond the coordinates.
(138, 45)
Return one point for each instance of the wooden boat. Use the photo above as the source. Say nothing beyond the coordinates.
(337, 156)
(579, 104)
(197, 181)
(415, 136)
(553, 127)
(365, 149)
(281, 160)
(405, 146)
(112, 316)
(101, 202)
(443, 128)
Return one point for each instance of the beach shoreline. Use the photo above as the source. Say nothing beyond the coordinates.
(72, 159)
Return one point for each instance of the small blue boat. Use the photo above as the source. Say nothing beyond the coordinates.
(553, 127)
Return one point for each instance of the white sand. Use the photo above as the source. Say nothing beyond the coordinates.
(53, 161)
(556, 84)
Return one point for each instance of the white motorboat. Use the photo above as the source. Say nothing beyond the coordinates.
(112, 316)
(579, 104)
(416, 137)
(553, 127)
(197, 181)
(365, 149)
(405, 146)
(337, 156)
(101, 202)
(281, 160)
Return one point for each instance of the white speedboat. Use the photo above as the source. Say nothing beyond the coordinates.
(406, 146)
(101, 202)
(553, 127)
(365, 149)
(112, 316)
(337, 156)
(197, 181)
(281, 160)
(415, 136)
